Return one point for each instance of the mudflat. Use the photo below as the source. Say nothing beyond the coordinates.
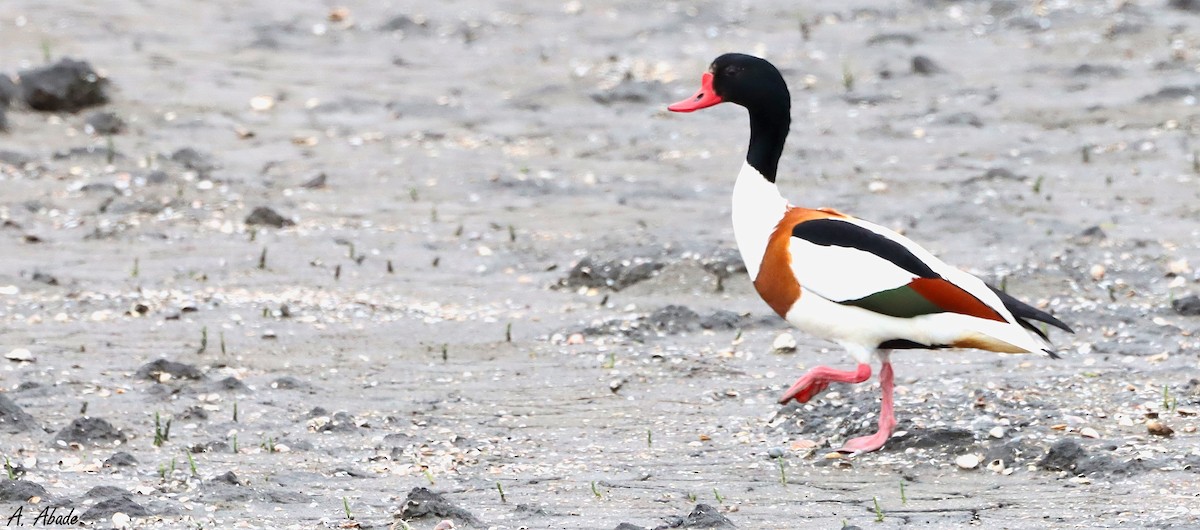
(381, 265)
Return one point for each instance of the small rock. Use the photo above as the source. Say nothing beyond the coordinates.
(263, 215)
(923, 65)
(996, 432)
(315, 182)
(104, 123)
(968, 461)
(629, 526)
(775, 452)
(784, 343)
(1158, 428)
(67, 85)
(1088, 432)
(1097, 272)
(1187, 306)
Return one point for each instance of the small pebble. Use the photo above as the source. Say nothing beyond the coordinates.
(996, 432)
(1088, 432)
(784, 343)
(967, 461)
(1098, 271)
(1159, 428)
(262, 103)
(121, 521)
(775, 452)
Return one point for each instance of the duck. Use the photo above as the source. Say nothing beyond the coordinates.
(834, 276)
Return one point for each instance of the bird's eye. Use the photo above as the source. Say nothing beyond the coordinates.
(733, 70)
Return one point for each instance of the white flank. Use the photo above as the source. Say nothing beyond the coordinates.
(844, 273)
(757, 209)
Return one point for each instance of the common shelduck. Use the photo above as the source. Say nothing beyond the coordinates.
(844, 279)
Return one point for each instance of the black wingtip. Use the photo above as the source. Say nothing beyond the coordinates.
(1052, 354)
(1021, 310)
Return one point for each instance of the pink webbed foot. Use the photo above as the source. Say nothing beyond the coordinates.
(817, 379)
(887, 419)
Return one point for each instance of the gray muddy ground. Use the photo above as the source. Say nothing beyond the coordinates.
(501, 271)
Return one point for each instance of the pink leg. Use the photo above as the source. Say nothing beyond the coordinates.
(818, 378)
(887, 418)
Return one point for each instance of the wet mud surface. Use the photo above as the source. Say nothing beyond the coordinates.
(381, 265)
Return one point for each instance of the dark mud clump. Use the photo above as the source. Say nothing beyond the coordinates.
(922, 65)
(190, 158)
(672, 320)
(1009, 453)
(702, 516)
(20, 490)
(1068, 455)
(8, 90)
(94, 431)
(121, 459)
(67, 85)
(13, 419)
(421, 503)
(724, 264)
(155, 369)
(104, 123)
(615, 275)
(105, 492)
(1187, 306)
(105, 509)
(937, 437)
(265, 216)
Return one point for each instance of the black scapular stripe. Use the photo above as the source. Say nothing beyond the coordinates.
(905, 344)
(835, 233)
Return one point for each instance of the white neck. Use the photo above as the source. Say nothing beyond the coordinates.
(757, 209)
